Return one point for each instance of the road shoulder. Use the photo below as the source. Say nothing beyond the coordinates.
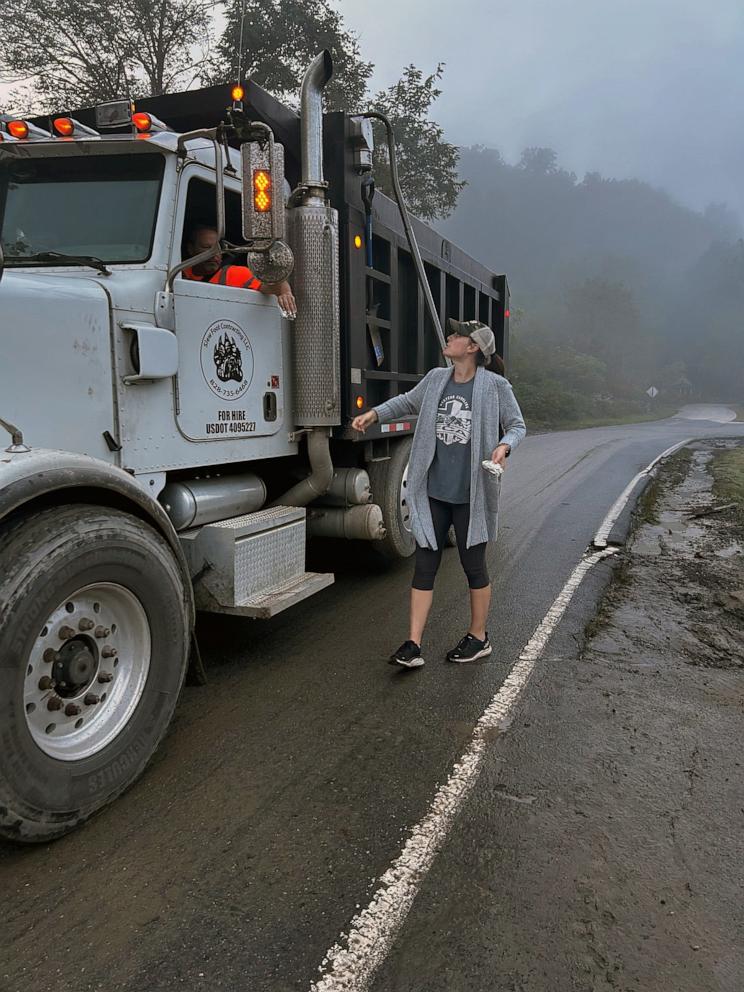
(603, 846)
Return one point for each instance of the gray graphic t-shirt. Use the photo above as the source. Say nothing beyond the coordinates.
(449, 474)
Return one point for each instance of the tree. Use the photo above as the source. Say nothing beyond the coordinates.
(427, 164)
(542, 161)
(281, 38)
(90, 51)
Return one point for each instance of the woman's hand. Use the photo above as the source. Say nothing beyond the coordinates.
(499, 454)
(363, 421)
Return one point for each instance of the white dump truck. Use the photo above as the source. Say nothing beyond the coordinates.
(172, 443)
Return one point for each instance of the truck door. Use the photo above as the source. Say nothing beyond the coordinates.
(230, 381)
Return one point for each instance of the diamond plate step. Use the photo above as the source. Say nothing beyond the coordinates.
(273, 601)
(252, 565)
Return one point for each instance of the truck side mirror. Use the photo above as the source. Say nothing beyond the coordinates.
(262, 167)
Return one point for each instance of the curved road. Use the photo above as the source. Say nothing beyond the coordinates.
(287, 785)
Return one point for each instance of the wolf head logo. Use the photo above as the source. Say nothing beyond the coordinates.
(228, 361)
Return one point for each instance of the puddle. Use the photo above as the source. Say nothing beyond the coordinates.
(730, 551)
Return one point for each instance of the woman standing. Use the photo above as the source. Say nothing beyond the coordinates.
(466, 415)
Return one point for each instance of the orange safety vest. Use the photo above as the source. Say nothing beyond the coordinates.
(229, 275)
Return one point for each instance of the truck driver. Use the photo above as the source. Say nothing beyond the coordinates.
(202, 237)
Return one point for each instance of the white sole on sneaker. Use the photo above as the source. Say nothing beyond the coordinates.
(413, 663)
(483, 653)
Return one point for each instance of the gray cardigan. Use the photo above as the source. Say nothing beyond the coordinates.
(494, 409)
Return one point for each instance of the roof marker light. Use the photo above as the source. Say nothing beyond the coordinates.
(18, 129)
(142, 121)
(64, 126)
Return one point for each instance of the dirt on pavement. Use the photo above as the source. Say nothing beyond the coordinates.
(663, 907)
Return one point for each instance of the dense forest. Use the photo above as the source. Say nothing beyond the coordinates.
(615, 287)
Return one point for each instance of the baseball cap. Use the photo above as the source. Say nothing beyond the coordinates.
(480, 333)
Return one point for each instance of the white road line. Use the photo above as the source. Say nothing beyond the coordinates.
(600, 539)
(350, 965)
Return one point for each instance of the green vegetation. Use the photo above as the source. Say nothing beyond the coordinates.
(618, 417)
(615, 288)
(728, 478)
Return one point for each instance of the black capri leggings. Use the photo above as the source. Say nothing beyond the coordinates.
(473, 559)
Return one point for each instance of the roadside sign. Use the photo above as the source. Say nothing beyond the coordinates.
(652, 391)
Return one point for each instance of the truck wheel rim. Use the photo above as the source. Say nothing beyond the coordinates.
(404, 510)
(86, 671)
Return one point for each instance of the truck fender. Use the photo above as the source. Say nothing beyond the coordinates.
(45, 477)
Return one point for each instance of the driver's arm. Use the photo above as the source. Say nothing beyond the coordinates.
(284, 295)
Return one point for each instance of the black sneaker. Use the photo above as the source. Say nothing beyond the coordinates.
(408, 655)
(470, 648)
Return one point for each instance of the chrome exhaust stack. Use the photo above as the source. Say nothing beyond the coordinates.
(317, 75)
(313, 234)
(313, 237)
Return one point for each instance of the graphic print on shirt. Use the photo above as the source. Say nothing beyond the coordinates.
(454, 420)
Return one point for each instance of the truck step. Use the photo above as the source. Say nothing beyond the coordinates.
(252, 565)
(273, 601)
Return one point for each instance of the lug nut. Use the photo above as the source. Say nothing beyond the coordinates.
(86, 624)
(66, 633)
(105, 677)
(55, 703)
(50, 656)
(102, 631)
(108, 652)
(45, 682)
(91, 699)
(72, 709)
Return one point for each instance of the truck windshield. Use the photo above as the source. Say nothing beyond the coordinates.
(99, 205)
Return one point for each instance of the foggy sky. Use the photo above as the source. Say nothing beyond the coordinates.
(651, 89)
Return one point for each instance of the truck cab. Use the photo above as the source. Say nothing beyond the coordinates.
(173, 443)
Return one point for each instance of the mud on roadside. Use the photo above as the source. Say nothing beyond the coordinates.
(662, 675)
(680, 586)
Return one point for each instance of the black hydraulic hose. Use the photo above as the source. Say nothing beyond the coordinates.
(413, 244)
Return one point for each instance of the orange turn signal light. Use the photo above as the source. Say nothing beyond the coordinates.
(357, 241)
(18, 129)
(359, 402)
(64, 127)
(237, 93)
(262, 191)
(142, 121)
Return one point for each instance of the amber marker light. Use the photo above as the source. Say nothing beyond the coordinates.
(262, 191)
(64, 127)
(18, 129)
(237, 93)
(142, 121)
(357, 241)
(360, 402)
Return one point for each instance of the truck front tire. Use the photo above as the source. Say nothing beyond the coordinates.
(389, 480)
(94, 636)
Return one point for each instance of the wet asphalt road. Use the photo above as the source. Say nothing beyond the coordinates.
(287, 785)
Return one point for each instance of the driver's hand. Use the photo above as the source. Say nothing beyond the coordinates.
(363, 421)
(287, 303)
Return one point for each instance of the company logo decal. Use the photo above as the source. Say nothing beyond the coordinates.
(226, 359)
